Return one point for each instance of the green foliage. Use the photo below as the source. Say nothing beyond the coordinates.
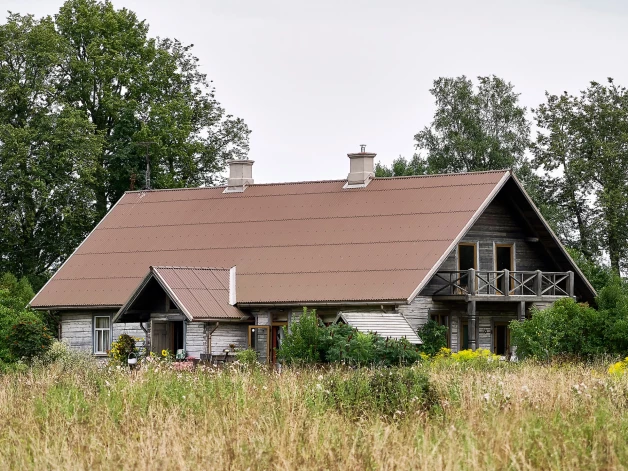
(434, 337)
(77, 93)
(474, 129)
(565, 328)
(28, 336)
(580, 151)
(247, 357)
(598, 274)
(121, 348)
(390, 392)
(302, 341)
(401, 167)
(309, 341)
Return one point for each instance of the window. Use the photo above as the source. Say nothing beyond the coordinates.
(102, 334)
(466, 256)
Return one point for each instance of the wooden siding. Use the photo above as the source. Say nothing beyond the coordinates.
(498, 224)
(227, 334)
(77, 329)
(195, 339)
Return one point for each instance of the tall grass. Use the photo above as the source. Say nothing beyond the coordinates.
(438, 417)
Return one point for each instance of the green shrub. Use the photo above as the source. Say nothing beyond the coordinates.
(247, 357)
(302, 341)
(121, 348)
(309, 341)
(565, 328)
(28, 337)
(434, 337)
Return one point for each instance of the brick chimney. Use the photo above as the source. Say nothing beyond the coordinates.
(240, 175)
(362, 168)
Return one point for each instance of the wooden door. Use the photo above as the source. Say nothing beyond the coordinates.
(160, 338)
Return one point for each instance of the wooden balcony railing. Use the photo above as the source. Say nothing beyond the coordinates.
(504, 283)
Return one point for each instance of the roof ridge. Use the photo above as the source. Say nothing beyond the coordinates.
(304, 182)
(171, 267)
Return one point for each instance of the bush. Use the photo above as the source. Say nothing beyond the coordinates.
(565, 328)
(247, 357)
(434, 337)
(28, 337)
(122, 348)
(309, 341)
(302, 341)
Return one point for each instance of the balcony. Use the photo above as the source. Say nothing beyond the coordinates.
(503, 286)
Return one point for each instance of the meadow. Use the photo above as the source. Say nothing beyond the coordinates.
(77, 415)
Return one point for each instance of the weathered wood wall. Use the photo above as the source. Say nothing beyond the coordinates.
(499, 224)
(77, 329)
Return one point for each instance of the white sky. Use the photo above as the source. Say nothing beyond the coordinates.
(313, 80)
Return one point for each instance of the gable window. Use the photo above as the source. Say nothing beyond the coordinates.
(102, 334)
(467, 256)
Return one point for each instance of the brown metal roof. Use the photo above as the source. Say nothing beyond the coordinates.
(200, 293)
(291, 243)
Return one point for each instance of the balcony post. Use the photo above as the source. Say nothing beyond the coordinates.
(473, 344)
(570, 283)
(506, 284)
(521, 311)
(471, 281)
(538, 283)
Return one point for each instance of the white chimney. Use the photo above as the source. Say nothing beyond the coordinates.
(240, 175)
(362, 168)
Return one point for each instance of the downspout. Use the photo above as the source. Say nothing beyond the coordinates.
(209, 339)
(146, 338)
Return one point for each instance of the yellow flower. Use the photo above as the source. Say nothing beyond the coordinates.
(164, 353)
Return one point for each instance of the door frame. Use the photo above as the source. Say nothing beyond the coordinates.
(272, 351)
(494, 326)
(268, 332)
(476, 261)
(513, 260)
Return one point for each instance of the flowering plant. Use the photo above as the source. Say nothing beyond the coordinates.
(619, 368)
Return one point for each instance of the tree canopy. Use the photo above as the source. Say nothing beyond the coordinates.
(78, 94)
(474, 128)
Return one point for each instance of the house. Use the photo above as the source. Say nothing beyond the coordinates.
(210, 269)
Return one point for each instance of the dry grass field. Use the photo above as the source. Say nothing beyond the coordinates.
(430, 417)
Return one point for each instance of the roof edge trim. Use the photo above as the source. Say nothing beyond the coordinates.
(170, 293)
(232, 286)
(136, 292)
(500, 184)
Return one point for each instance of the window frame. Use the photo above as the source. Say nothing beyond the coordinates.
(475, 253)
(96, 330)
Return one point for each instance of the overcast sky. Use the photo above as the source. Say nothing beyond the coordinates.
(313, 80)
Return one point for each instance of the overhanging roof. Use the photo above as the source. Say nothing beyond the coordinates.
(387, 324)
(310, 242)
(200, 293)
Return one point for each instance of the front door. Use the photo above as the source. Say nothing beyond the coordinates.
(464, 337)
(160, 337)
(167, 335)
(501, 339)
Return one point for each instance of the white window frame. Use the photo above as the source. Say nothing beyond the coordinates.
(97, 330)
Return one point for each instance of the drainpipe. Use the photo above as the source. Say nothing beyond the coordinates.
(209, 339)
(146, 338)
